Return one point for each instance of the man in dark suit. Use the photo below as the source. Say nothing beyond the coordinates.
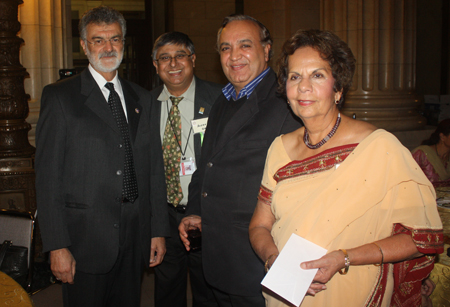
(222, 195)
(99, 175)
(174, 59)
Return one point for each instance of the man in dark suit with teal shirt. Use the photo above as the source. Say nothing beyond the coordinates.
(99, 175)
(184, 101)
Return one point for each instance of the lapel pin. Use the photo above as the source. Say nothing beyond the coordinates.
(137, 110)
(202, 109)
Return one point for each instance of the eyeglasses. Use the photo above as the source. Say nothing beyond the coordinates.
(178, 58)
(100, 42)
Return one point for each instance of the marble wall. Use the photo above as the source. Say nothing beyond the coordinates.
(45, 51)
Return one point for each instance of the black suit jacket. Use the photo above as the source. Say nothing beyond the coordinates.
(206, 93)
(224, 189)
(78, 154)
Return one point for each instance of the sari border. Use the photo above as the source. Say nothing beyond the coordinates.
(314, 164)
(428, 241)
(265, 195)
(376, 296)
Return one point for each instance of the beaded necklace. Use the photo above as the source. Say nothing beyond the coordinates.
(325, 139)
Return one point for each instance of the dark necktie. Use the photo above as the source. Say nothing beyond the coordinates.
(172, 153)
(130, 188)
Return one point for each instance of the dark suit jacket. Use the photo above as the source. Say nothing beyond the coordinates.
(206, 94)
(78, 152)
(224, 189)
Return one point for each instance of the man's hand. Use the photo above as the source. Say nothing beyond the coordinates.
(63, 265)
(186, 222)
(157, 251)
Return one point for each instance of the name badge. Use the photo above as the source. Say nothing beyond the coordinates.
(199, 125)
(187, 167)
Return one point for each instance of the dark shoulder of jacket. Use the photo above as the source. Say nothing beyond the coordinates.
(69, 84)
(212, 85)
(136, 87)
(156, 91)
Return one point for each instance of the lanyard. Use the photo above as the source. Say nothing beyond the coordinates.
(173, 130)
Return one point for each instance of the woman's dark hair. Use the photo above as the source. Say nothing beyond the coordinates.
(443, 127)
(331, 49)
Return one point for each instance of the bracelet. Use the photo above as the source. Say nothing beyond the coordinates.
(346, 261)
(382, 255)
(266, 268)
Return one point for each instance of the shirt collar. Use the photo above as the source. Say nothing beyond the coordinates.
(188, 95)
(230, 92)
(101, 81)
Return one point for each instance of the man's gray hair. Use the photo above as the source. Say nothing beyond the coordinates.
(173, 38)
(99, 15)
(264, 33)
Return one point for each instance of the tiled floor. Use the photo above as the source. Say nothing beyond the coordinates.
(52, 297)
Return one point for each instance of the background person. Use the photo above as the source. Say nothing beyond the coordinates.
(434, 153)
(345, 186)
(174, 59)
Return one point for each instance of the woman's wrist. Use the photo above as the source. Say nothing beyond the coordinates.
(270, 260)
(346, 262)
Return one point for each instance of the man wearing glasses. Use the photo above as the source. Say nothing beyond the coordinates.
(183, 104)
(99, 175)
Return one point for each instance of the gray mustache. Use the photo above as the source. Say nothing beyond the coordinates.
(107, 54)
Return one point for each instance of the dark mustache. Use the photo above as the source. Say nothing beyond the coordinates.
(107, 54)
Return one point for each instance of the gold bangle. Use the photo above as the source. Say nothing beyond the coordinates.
(382, 255)
(346, 261)
(266, 268)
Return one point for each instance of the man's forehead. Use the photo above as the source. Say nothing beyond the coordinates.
(240, 31)
(103, 26)
(169, 48)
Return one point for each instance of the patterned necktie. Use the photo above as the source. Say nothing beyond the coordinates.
(130, 188)
(172, 153)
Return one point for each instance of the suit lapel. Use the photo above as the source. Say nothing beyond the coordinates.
(95, 100)
(133, 108)
(202, 99)
(202, 106)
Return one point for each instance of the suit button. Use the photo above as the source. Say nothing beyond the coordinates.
(209, 164)
(116, 226)
(119, 172)
(204, 194)
(120, 146)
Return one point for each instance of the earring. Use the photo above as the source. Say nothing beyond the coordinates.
(288, 102)
(336, 101)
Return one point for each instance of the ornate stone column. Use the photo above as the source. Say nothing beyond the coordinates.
(16, 154)
(381, 34)
(47, 31)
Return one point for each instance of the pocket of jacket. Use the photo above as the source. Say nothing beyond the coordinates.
(250, 144)
(76, 205)
(241, 218)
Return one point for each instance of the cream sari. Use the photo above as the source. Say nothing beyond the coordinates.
(349, 196)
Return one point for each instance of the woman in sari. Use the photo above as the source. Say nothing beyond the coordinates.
(434, 153)
(346, 186)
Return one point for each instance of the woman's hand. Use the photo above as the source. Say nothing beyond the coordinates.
(328, 265)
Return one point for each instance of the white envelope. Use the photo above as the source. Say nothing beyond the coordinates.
(285, 277)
